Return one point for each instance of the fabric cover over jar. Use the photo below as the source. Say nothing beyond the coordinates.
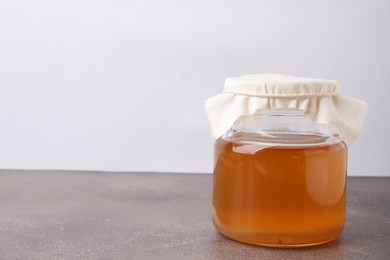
(319, 99)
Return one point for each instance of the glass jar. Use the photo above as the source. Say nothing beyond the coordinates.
(280, 181)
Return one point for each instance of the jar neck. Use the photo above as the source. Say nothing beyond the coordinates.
(289, 127)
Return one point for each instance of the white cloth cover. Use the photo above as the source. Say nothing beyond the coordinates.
(319, 99)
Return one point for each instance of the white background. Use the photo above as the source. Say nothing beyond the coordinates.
(120, 85)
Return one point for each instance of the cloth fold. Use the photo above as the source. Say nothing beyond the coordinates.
(319, 99)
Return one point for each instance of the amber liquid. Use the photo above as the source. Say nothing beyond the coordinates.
(280, 196)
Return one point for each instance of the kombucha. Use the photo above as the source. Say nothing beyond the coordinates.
(281, 196)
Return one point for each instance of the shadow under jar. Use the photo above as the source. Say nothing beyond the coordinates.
(280, 181)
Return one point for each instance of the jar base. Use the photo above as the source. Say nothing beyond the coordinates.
(279, 241)
(280, 245)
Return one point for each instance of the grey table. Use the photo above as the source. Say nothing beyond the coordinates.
(106, 215)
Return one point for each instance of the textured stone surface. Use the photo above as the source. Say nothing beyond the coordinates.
(105, 215)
